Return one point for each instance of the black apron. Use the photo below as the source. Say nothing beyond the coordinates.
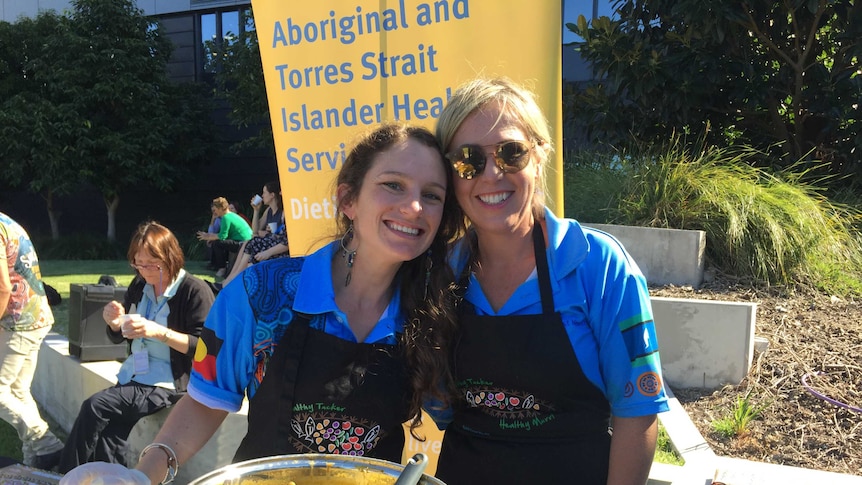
(322, 394)
(526, 411)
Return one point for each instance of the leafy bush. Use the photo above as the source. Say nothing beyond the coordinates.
(666, 67)
(193, 249)
(592, 185)
(771, 228)
(80, 246)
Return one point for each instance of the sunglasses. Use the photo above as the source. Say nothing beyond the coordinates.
(510, 156)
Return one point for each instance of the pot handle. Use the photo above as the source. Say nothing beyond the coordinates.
(413, 470)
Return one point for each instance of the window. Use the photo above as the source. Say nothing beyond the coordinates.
(218, 31)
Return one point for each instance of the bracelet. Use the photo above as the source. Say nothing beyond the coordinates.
(173, 464)
(165, 335)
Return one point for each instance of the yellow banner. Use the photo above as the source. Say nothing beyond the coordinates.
(335, 69)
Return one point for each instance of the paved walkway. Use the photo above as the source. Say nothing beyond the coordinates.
(734, 471)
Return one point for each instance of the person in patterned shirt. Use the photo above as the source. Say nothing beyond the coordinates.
(25, 319)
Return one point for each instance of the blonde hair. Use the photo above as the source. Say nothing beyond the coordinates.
(514, 100)
(220, 203)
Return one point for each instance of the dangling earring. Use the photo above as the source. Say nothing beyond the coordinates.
(428, 265)
(349, 255)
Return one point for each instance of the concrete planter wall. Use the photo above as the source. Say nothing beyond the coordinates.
(665, 256)
(62, 383)
(704, 343)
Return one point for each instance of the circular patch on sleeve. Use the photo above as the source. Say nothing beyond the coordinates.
(649, 384)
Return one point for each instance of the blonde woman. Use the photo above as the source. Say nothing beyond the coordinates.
(555, 359)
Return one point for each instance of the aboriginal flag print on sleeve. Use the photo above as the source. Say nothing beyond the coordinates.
(246, 321)
(209, 346)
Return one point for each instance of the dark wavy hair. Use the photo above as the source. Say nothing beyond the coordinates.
(161, 243)
(274, 188)
(429, 311)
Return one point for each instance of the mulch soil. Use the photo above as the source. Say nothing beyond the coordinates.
(809, 379)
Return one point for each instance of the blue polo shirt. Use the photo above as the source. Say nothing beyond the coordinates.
(604, 302)
(249, 317)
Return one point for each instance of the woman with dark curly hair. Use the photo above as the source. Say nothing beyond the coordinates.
(329, 348)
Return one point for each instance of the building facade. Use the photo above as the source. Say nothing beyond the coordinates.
(192, 25)
(236, 176)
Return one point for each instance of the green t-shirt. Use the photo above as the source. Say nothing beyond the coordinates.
(234, 227)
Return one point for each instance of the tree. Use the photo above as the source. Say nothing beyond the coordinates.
(239, 77)
(36, 134)
(142, 131)
(782, 76)
(101, 84)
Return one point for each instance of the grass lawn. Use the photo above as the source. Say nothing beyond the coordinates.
(60, 274)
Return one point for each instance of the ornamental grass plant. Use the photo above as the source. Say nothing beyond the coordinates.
(769, 228)
(736, 421)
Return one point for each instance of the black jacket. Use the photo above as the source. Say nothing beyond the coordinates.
(189, 308)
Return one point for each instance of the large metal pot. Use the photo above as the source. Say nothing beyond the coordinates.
(310, 469)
